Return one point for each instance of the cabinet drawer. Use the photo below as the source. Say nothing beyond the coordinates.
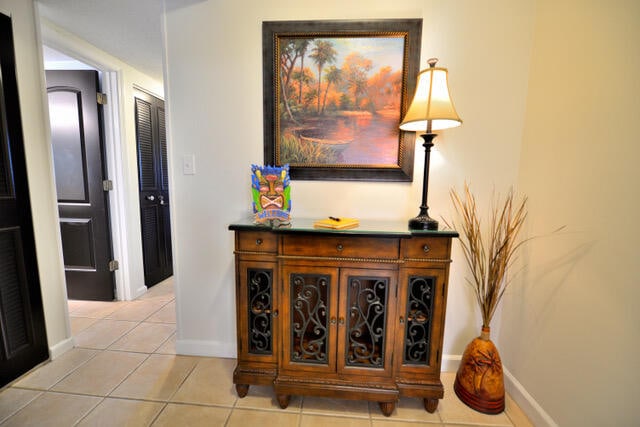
(256, 241)
(426, 247)
(341, 246)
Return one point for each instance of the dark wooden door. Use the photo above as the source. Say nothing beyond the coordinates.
(23, 340)
(154, 188)
(76, 136)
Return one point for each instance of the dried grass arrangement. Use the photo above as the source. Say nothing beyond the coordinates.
(489, 253)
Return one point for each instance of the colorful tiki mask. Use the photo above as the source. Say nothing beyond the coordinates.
(271, 193)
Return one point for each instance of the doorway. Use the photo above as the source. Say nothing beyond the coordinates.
(77, 140)
(59, 59)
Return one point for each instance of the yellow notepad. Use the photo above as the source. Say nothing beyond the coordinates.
(337, 223)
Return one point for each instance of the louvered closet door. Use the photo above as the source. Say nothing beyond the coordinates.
(23, 340)
(154, 188)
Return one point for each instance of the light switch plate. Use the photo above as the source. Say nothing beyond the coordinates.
(189, 164)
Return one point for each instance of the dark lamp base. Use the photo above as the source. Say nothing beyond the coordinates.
(423, 222)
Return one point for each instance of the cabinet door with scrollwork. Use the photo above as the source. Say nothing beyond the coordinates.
(365, 331)
(310, 301)
(257, 311)
(419, 321)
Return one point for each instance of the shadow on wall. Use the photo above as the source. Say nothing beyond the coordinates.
(539, 286)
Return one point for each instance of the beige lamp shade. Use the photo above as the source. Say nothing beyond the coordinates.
(431, 102)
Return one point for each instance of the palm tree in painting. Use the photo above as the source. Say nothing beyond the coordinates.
(322, 53)
(300, 47)
(288, 58)
(356, 69)
(333, 76)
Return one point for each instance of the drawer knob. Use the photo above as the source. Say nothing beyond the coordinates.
(258, 242)
(333, 320)
(426, 248)
(275, 313)
(401, 320)
(339, 247)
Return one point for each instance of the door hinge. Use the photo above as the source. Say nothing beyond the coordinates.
(114, 265)
(107, 185)
(101, 98)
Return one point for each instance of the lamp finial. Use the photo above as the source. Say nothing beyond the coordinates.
(432, 62)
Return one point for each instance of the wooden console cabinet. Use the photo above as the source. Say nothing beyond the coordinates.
(355, 314)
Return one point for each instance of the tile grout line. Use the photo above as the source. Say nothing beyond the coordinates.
(112, 342)
(89, 411)
(184, 380)
(50, 388)
(129, 374)
(164, 406)
(6, 419)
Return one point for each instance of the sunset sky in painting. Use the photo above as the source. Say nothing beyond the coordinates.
(382, 51)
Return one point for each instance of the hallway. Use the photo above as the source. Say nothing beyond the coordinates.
(124, 372)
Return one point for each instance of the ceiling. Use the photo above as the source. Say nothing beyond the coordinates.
(130, 30)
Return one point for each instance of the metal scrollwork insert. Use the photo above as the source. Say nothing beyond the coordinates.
(260, 288)
(367, 300)
(309, 318)
(418, 320)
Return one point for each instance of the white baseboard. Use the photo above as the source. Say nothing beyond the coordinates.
(139, 292)
(536, 414)
(450, 362)
(60, 348)
(205, 348)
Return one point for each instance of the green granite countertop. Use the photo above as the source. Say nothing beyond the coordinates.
(366, 227)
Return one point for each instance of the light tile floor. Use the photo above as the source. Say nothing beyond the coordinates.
(124, 371)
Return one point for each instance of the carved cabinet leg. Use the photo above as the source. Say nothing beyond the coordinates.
(430, 405)
(283, 400)
(387, 408)
(242, 389)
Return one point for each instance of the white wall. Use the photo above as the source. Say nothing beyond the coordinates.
(35, 127)
(120, 149)
(214, 94)
(570, 326)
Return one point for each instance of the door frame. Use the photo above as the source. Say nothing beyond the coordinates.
(112, 158)
(119, 129)
(128, 285)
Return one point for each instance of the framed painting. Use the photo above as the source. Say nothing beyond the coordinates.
(334, 95)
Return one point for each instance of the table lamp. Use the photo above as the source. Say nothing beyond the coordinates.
(431, 109)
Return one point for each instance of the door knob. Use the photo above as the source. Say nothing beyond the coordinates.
(151, 198)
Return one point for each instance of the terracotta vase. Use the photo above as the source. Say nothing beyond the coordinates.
(480, 381)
